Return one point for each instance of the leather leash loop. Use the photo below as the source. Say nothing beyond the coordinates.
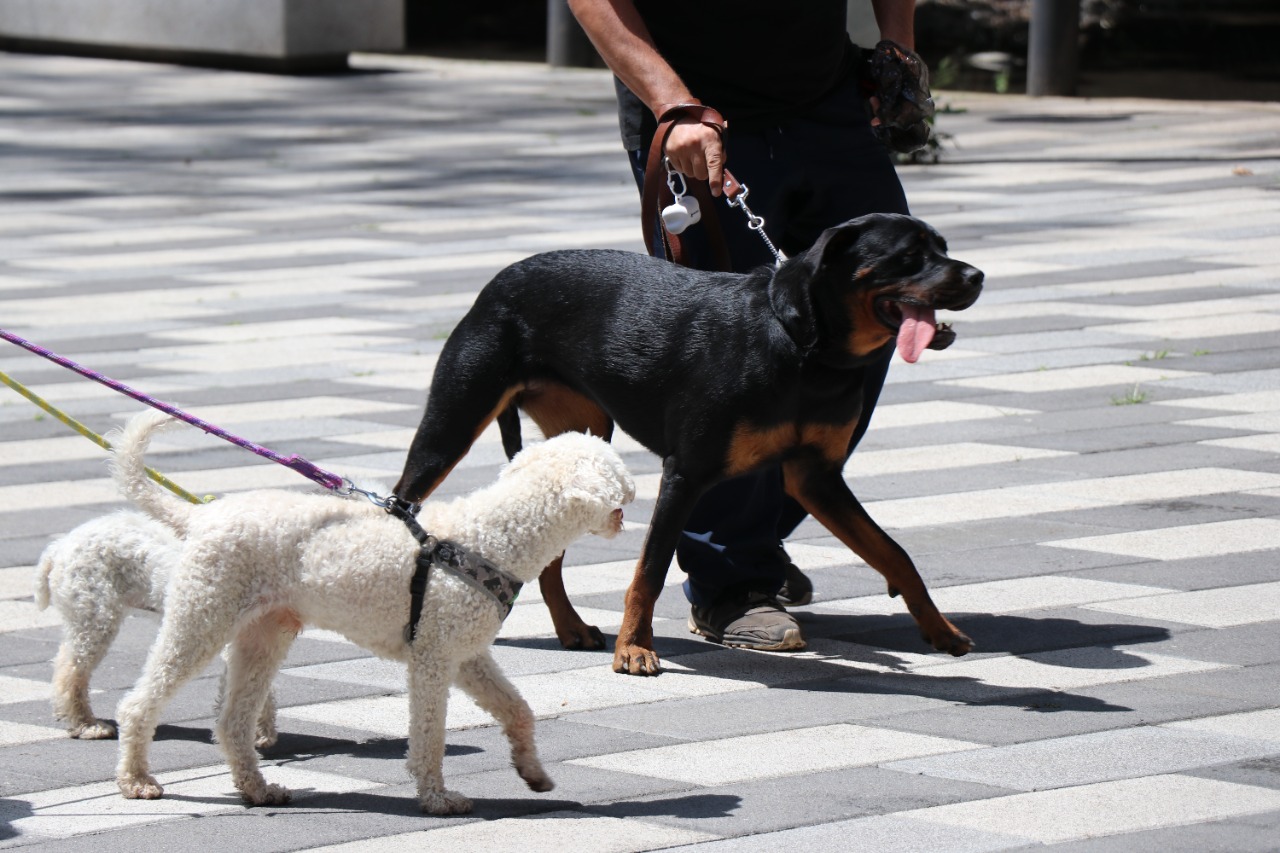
(701, 112)
(656, 195)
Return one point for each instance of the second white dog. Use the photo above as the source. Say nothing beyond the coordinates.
(93, 576)
(258, 566)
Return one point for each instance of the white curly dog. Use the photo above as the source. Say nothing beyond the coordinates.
(257, 566)
(93, 576)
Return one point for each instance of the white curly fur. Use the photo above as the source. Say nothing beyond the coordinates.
(258, 566)
(92, 576)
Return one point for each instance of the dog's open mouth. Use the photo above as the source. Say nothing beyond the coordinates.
(917, 326)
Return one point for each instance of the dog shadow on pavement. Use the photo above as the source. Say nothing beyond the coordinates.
(865, 653)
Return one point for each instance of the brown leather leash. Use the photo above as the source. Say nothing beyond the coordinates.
(657, 194)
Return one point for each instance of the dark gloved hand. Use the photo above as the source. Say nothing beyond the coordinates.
(899, 80)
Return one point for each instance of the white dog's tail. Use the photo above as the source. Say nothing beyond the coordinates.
(130, 472)
(43, 568)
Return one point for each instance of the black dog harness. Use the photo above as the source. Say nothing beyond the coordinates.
(461, 563)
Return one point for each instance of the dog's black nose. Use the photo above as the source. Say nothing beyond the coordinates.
(973, 277)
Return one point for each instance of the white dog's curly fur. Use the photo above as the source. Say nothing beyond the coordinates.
(257, 566)
(93, 576)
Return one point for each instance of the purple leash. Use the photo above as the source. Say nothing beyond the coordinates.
(310, 470)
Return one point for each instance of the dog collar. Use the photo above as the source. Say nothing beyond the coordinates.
(465, 565)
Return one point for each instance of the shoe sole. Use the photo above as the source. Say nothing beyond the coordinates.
(800, 602)
(792, 640)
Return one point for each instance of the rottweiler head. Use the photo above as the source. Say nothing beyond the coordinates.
(869, 281)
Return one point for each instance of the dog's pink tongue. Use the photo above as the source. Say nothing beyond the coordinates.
(916, 331)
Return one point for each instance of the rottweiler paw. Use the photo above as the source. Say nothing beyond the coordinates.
(582, 636)
(636, 660)
(954, 643)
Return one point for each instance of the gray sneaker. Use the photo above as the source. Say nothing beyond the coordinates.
(750, 621)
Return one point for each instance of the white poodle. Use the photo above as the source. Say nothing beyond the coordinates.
(92, 576)
(257, 566)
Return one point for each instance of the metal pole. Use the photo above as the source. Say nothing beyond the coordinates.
(1053, 47)
(567, 44)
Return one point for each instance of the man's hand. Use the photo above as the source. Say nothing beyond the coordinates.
(697, 151)
(901, 104)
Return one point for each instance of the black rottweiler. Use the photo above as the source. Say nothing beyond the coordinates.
(717, 373)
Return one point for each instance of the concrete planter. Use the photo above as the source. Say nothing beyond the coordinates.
(284, 34)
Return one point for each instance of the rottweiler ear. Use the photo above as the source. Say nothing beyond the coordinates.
(833, 244)
(792, 290)
(792, 301)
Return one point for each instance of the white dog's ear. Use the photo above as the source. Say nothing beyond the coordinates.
(577, 495)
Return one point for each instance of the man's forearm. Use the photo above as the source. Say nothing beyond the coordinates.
(623, 41)
(896, 19)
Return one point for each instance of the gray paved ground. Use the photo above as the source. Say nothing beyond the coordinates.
(1089, 478)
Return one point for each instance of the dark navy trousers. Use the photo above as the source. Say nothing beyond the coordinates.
(804, 175)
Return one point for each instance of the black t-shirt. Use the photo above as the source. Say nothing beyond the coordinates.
(753, 60)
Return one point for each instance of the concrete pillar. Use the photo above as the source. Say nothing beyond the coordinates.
(273, 34)
(1053, 47)
(567, 44)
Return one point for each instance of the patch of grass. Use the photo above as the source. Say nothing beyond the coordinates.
(1154, 356)
(1132, 397)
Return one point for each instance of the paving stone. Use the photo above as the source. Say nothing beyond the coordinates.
(1072, 813)
(813, 799)
(1252, 834)
(1088, 759)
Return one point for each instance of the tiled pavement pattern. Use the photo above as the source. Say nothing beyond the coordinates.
(1089, 479)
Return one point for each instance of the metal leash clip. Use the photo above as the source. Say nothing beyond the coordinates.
(348, 488)
(755, 222)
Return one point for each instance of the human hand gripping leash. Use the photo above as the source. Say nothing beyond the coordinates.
(666, 215)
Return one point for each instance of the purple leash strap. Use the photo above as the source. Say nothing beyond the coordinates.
(310, 470)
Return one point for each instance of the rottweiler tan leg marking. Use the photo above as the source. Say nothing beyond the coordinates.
(822, 491)
(557, 409)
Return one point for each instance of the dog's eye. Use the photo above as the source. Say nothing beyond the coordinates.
(908, 263)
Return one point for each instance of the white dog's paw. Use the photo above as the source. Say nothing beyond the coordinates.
(139, 787)
(265, 794)
(97, 730)
(266, 740)
(444, 802)
(536, 778)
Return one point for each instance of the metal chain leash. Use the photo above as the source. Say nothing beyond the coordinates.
(755, 222)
